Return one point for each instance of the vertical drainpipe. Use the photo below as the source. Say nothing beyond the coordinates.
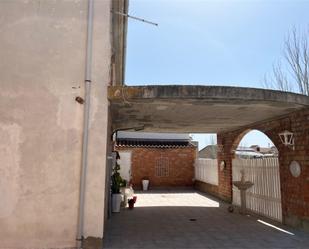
(81, 213)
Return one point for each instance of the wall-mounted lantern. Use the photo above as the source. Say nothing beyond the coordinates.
(222, 165)
(287, 138)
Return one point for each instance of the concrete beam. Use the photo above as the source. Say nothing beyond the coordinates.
(189, 108)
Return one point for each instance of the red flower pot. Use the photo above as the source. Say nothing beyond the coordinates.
(131, 203)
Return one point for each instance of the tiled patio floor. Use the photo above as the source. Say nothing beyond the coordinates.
(189, 219)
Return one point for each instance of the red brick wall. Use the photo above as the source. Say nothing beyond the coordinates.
(180, 161)
(294, 191)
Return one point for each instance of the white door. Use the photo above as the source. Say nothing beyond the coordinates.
(125, 165)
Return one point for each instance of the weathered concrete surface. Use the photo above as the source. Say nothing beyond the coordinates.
(119, 41)
(42, 71)
(198, 108)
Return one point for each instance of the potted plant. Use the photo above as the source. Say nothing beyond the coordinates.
(117, 183)
(145, 183)
(132, 201)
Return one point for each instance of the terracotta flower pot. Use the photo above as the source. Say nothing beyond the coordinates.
(131, 203)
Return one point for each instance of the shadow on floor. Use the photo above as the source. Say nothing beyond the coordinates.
(189, 225)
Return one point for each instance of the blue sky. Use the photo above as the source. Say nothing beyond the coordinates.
(253, 137)
(209, 42)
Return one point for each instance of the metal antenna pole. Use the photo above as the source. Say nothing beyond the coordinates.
(134, 17)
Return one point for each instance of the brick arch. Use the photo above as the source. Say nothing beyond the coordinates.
(269, 133)
(237, 140)
(227, 145)
(294, 191)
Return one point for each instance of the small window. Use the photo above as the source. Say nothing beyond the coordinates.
(162, 166)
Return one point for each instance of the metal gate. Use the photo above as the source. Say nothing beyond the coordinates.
(264, 197)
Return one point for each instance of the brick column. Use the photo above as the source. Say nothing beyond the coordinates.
(225, 176)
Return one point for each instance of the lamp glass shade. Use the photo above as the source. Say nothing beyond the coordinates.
(286, 137)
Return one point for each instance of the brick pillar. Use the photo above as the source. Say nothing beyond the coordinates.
(225, 176)
(227, 145)
(295, 190)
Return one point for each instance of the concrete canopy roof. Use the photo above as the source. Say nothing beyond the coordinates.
(199, 109)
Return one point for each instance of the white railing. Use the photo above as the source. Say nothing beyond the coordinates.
(206, 170)
(264, 197)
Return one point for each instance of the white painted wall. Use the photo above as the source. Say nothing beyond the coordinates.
(125, 164)
(206, 170)
(41, 72)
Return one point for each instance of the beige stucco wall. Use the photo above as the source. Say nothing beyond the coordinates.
(42, 51)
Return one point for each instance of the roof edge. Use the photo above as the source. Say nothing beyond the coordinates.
(207, 92)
